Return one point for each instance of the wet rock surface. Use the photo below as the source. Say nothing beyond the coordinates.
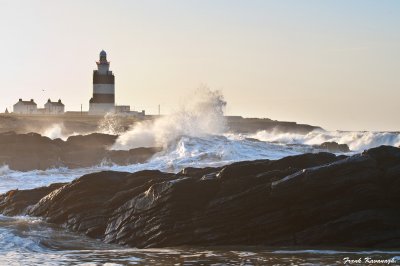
(15, 202)
(305, 200)
(31, 151)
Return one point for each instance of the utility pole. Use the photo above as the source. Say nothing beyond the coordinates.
(81, 109)
(159, 109)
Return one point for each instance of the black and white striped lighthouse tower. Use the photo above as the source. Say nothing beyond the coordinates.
(103, 100)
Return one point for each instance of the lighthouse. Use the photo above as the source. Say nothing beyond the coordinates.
(103, 100)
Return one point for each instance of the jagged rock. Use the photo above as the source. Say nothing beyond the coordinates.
(94, 139)
(31, 151)
(132, 156)
(28, 151)
(305, 200)
(85, 204)
(16, 202)
(333, 147)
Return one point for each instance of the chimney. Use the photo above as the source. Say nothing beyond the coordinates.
(31, 100)
(20, 99)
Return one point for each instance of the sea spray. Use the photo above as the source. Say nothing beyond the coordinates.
(356, 140)
(54, 131)
(4, 169)
(112, 124)
(203, 114)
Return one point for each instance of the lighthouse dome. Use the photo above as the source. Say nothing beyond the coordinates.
(103, 53)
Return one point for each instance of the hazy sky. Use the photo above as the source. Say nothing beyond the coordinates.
(330, 63)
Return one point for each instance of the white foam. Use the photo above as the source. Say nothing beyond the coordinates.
(356, 140)
(10, 240)
(4, 169)
(202, 114)
(111, 124)
(186, 151)
(11, 179)
(55, 131)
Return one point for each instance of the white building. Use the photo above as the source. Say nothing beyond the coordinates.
(122, 109)
(125, 110)
(54, 107)
(25, 107)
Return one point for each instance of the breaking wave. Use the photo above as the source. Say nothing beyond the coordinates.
(356, 140)
(186, 151)
(54, 131)
(112, 124)
(201, 115)
(4, 169)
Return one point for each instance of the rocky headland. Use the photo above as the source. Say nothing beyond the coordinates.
(307, 200)
(31, 151)
(239, 124)
(75, 122)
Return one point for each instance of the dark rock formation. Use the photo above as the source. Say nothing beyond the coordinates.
(250, 125)
(32, 151)
(305, 200)
(333, 147)
(15, 201)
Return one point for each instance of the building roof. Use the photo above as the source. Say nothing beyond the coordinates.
(58, 103)
(31, 102)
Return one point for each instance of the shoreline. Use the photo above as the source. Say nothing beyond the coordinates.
(197, 206)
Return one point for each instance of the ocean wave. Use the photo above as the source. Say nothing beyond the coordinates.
(356, 140)
(186, 151)
(206, 150)
(201, 115)
(11, 179)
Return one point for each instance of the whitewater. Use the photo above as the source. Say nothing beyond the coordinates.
(31, 241)
(196, 135)
(208, 151)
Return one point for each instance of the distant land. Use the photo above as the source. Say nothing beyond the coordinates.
(77, 123)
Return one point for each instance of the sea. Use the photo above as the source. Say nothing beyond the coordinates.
(31, 241)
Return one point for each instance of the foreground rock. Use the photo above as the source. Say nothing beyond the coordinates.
(306, 200)
(12, 202)
(32, 151)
